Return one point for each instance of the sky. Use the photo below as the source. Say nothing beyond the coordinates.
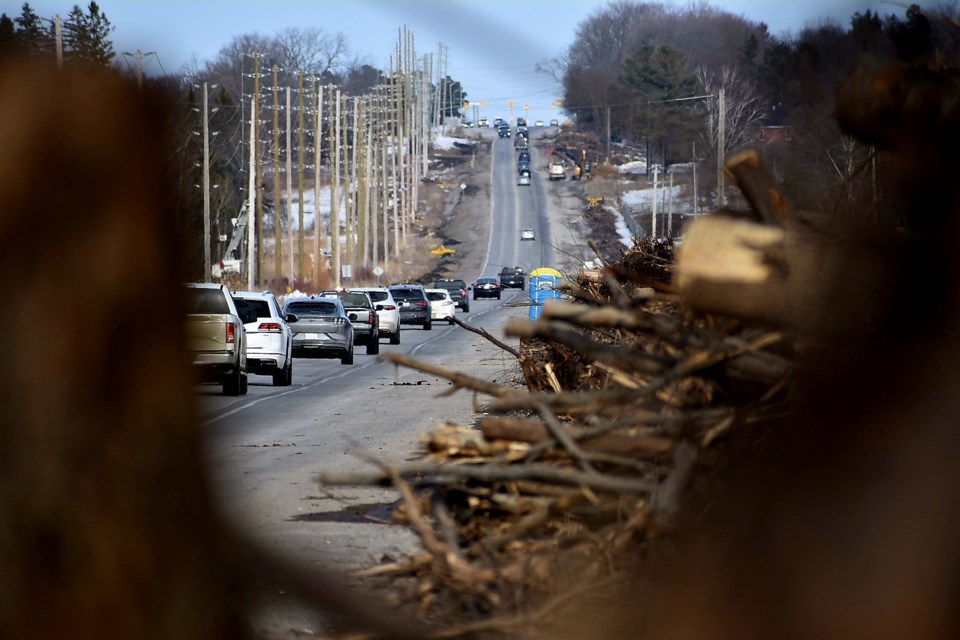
(494, 45)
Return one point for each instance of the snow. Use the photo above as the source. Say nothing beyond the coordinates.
(309, 207)
(637, 167)
(625, 236)
(447, 142)
(644, 197)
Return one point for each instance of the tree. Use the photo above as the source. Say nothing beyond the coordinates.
(454, 97)
(744, 107)
(657, 77)
(25, 34)
(86, 37)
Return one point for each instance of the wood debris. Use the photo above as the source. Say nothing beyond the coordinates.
(630, 396)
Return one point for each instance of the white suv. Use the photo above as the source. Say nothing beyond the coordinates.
(388, 311)
(268, 336)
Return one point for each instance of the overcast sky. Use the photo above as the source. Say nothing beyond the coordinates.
(493, 44)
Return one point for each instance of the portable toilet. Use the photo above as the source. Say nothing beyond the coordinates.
(544, 285)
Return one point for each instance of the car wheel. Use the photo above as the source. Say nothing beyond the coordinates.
(395, 337)
(373, 345)
(280, 377)
(498, 296)
(243, 384)
(450, 320)
(289, 377)
(231, 387)
(427, 326)
(466, 309)
(347, 358)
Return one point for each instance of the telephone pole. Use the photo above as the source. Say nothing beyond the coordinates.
(335, 196)
(317, 154)
(277, 240)
(289, 170)
(300, 163)
(207, 262)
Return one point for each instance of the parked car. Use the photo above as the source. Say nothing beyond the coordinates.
(215, 337)
(458, 291)
(442, 306)
(413, 303)
(388, 313)
(511, 277)
(486, 288)
(527, 234)
(320, 328)
(269, 343)
(363, 316)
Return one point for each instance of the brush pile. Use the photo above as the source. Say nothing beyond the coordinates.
(562, 487)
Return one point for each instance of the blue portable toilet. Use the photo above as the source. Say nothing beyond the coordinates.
(544, 285)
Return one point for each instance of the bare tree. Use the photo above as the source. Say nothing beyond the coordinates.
(744, 110)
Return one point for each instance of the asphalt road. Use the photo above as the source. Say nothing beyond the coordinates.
(264, 448)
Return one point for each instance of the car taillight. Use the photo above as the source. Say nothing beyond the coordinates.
(373, 317)
(421, 303)
(231, 333)
(273, 327)
(389, 307)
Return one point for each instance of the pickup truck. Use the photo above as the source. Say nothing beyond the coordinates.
(363, 316)
(458, 291)
(557, 171)
(215, 337)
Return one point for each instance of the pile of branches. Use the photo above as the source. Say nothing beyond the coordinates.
(629, 396)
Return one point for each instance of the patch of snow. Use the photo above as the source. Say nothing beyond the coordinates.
(637, 167)
(446, 142)
(644, 197)
(625, 236)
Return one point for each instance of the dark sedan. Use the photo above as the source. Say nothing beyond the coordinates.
(486, 288)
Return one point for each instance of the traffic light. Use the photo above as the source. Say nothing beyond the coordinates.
(511, 104)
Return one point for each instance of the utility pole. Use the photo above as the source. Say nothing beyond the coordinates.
(721, 143)
(289, 170)
(376, 175)
(394, 144)
(277, 239)
(655, 198)
(352, 178)
(317, 155)
(300, 163)
(207, 262)
(252, 199)
(258, 171)
(335, 197)
(58, 40)
(696, 193)
(670, 209)
(367, 171)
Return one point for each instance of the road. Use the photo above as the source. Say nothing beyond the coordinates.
(264, 448)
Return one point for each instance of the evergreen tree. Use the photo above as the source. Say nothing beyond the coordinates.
(86, 37)
(656, 76)
(30, 36)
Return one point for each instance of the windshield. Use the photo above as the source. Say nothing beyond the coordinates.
(252, 308)
(406, 294)
(312, 308)
(206, 301)
(436, 295)
(351, 299)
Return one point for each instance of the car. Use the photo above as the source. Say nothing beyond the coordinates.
(215, 337)
(413, 303)
(388, 313)
(554, 123)
(523, 156)
(521, 122)
(467, 124)
(497, 122)
(523, 179)
(442, 306)
(363, 316)
(511, 277)
(527, 234)
(538, 123)
(504, 131)
(486, 288)
(458, 291)
(483, 122)
(269, 339)
(523, 167)
(520, 142)
(556, 171)
(320, 328)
